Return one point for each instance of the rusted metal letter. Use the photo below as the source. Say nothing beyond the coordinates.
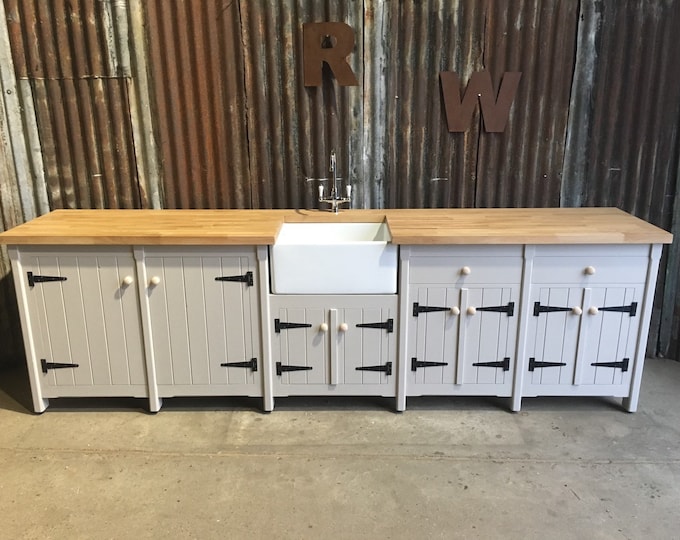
(315, 54)
(495, 110)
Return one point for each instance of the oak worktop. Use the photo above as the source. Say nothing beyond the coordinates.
(407, 226)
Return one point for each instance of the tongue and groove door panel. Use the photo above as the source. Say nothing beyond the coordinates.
(582, 340)
(203, 312)
(86, 327)
(334, 345)
(462, 340)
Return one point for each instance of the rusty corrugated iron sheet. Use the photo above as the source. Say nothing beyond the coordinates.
(65, 51)
(624, 131)
(197, 66)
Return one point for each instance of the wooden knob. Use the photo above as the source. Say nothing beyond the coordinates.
(323, 327)
(128, 280)
(592, 310)
(455, 310)
(343, 327)
(589, 270)
(155, 280)
(472, 310)
(576, 310)
(466, 271)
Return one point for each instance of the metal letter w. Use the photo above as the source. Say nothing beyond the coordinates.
(495, 110)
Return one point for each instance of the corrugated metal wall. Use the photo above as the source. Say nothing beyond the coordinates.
(72, 74)
(595, 120)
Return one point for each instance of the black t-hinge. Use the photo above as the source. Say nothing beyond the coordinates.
(33, 279)
(46, 366)
(251, 364)
(386, 368)
(246, 278)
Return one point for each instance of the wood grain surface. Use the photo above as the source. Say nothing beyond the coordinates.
(407, 226)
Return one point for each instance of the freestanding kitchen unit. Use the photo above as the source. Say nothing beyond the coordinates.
(497, 302)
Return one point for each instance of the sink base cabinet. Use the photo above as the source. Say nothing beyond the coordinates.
(334, 345)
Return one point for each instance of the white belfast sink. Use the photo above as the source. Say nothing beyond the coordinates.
(334, 258)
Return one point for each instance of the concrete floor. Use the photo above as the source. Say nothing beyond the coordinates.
(343, 468)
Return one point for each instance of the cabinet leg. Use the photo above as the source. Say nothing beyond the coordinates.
(401, 403)
(40, 404)
(155, 404)
(268, 403)
(516, 403)
(630, 403)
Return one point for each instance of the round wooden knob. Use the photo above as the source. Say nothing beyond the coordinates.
(128, 280)
(466, 271)
(455, 310)
(343, 327)
(155, 280)
(593, 310)
(323, 327)
(589, 270)
(576, 310)
(472, 310)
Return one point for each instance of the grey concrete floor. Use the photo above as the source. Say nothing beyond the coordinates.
(342, 468)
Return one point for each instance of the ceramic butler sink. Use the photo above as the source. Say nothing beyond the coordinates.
(334, 258)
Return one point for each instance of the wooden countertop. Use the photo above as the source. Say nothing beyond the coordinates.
(408, 226)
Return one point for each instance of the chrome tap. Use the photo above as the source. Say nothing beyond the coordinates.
(335, 199)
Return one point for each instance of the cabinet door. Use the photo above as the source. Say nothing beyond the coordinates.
(611, 327)
(363, 346)
(486, 355)
(203, 310)
(85, 323)
(582, 340)
(553, 336)
(433, 337)
(462, 341)
(334, 345)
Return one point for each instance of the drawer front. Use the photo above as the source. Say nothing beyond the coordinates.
(587, 270)
(462, 270)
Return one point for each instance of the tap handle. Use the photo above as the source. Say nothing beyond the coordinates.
(348, 190)
(320, 192)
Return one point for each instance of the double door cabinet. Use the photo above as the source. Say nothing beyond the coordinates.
(500, 320)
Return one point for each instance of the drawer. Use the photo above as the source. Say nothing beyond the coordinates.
(461, 270)
(590, 269)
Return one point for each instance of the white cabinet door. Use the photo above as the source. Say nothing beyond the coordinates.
(463, 319)
(583, 321)
(462, 340)
(203, 316)
(334, 345)
(84, 322)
